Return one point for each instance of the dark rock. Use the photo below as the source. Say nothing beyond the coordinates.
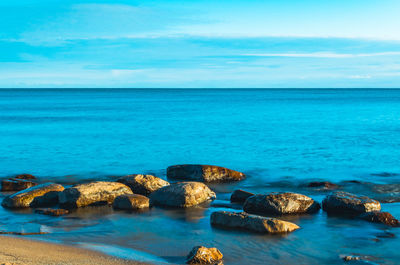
(381, 217)
(48, 199)
(24, 198)
(93, 193)
(52, 212)
(24, 176)
(203, 255)
(131, 202)
(347, 203)
(280, 203)
(204, 173)
(182, 194)
(253, 223)
(240, 196)
(15, 184)
(143, 184)
(323, 184)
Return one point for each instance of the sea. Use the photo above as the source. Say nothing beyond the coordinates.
(282, 139)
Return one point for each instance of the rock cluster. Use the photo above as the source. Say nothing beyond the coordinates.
(203, 173)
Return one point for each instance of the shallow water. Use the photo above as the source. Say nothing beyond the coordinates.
(281, 139)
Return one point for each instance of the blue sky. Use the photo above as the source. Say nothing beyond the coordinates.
(121, 43)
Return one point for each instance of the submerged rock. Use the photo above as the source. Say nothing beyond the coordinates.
(323, 185)
(251, 222)
(99, 192)
(182, 194)
(280, 203)
(203, 173)
(347, 203)
(380, 217)
(240, 196)
(31, 196)
(14, 184)
(143, 184)
(203, 255)
(131, 202)
(52, 212)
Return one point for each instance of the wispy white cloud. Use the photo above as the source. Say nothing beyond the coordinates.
(323, 55)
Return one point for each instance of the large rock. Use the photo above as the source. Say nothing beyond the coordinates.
(131, 202)
(183, 194)
(346, 203)
(203, 255)
(280, 203)
(240, 196)
(251, 222)
(99, 192)
(380, 217)
(143, 184)
(204, 173)
(32, 196)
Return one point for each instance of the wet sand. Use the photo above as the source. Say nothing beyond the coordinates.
(18, 251)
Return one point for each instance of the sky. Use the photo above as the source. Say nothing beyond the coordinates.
(200, 44)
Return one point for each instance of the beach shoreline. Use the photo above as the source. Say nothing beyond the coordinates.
(22, 251)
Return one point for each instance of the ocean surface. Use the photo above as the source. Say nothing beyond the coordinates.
(282, 139)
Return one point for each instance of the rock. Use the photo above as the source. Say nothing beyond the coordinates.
(52, 212)
(251, 222)
(323, 185)
(131, 202)
(182, 194)
(346, 203)
(203, 255)
(204, 173)
(143, 184)
(49, 199)
(280, 203)
(93, 193)
(25, 198)
(14, 184)
(351, 258)
(380, 217)
(24, 176)
(240, 196)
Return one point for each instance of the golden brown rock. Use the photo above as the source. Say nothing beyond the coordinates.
(280, 203)
(26, 198)
(203, 255)
(381, 217)
(253, 223)
(14, 184)
(131, 202)
(204, 173)
(52, 212)
(182, 194)
(98, 192)
(143, 184)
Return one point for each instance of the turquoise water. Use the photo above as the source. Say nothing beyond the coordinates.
(280, 138)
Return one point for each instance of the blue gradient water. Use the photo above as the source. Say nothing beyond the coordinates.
(280, 138)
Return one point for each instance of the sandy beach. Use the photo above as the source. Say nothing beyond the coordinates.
(18, 251)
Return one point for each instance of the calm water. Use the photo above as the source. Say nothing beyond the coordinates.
(280, 138)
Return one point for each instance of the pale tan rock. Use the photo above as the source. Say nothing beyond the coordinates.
(280, 203)
(203, 255)
(182, 194)
(131, 202)
(92, 193)
(143, 184)
(204, 173)
(28, 197)
(346, 203)
(251, 222)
